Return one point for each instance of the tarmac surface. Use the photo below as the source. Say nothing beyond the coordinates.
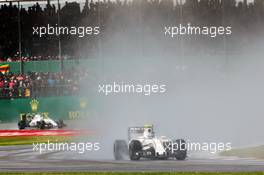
(24, 159)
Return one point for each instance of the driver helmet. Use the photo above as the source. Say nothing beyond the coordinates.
(148, 132)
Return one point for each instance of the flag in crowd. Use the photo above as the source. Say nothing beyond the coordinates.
(4, 68)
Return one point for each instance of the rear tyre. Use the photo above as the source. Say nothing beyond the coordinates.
(60, 123)
(120, 149)
(135, 148)
(41, 124)
(180, 149)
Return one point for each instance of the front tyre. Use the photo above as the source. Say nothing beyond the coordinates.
(120, 149)
(22, 124)
(180, 149)
(135, 148)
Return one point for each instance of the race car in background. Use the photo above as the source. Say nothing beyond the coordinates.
(142, 142)
(38, 121)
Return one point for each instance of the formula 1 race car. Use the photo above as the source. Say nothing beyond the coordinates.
(142, 142)
(38, 121)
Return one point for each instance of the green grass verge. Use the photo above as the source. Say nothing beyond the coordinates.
(253, 152)
(145, 173)
(29, 140)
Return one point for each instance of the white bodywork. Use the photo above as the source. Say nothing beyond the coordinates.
(142, 143)
(38, 118)
(149, 140)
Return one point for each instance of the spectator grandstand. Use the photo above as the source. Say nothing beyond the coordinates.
(125, 17)
(131, 22)
(36, 84)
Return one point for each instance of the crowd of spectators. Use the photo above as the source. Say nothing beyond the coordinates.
(40, 84)
(129, 27)
(15, 86)
(33, 58)
(30, 58)
(134, 20)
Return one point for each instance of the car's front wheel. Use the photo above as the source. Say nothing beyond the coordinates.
(21, 124)
(135, 148)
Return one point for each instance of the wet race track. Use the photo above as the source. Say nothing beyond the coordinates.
(23, 158)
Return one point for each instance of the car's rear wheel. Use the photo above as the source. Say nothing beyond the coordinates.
(41, 124)
(60, 123)
(120, 149)
(180, 149)
(135, 148)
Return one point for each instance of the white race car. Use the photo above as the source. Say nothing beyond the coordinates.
(142, 142)
(38, 121)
